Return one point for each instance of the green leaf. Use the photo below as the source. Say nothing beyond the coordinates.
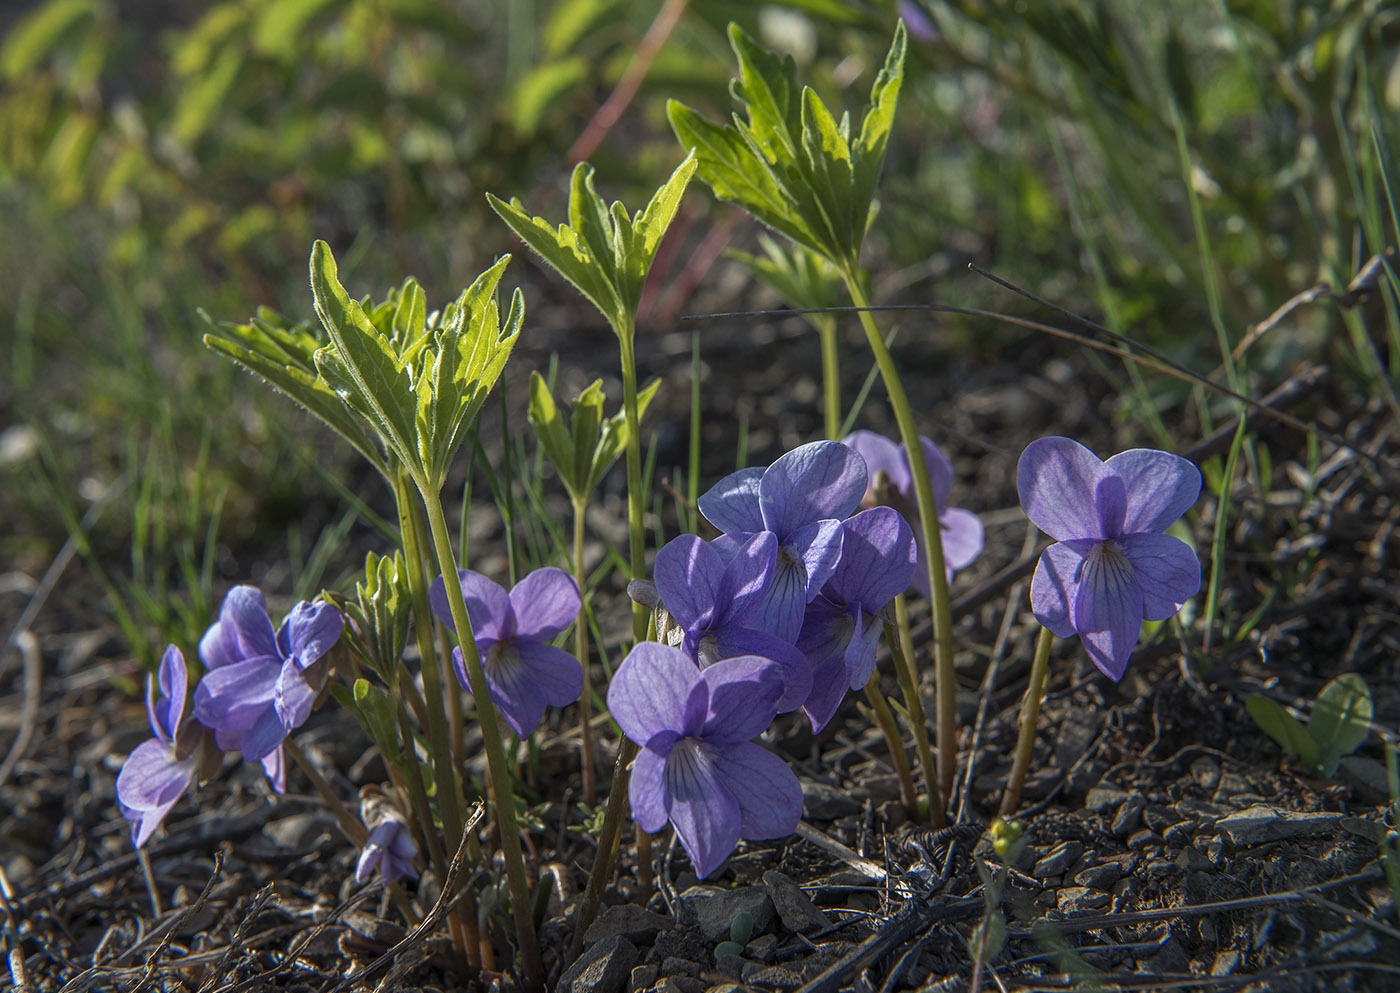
(202, 99)
(541, 90)
(615, 436)
(604, 251)
(565, 252)
(1341, 718)
(552, 432)
(790, 163)
(803, 278)
(284, 358)
(281, 26)
(1280, 725)
(364, 370)
(31, 41)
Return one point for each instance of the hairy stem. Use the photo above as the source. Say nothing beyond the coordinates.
(1030, 716)
(884, 717)
(636, 499)
(901, 649)
(607, 844)
(831, 374)
(585, 702)
(929, 529)
(502, 797)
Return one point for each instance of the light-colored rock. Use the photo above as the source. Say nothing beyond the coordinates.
(713, 909)
(604, 968)
(796, 910)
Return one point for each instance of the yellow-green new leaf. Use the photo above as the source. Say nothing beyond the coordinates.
(367, 374)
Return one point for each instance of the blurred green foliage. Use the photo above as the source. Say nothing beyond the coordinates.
(157, 158)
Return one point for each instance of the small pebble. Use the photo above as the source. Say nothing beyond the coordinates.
(1179, 835)
(1143, 839)
(1158, 818)
(1215, 851)
(1074, 899)
(1101, 876)
(1058, 860)
(1206, 772)
(1129, 815)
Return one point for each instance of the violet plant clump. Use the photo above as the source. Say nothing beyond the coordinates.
(161, 769)
(512, 630)
(261, 684)
(698, 766)
(1112, 565)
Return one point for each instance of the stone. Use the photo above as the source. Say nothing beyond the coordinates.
(604, 968)
(1101, 876)
(1158, 818)
(762, 949)
(643, 977)
(1143, 839)
(1103, 796)
(1226, 962)
(796, 910)
(1261, 823)
(634, 923)
(676, 966)
(713, 909)
(778, 977)
(1076, 899)
(1128, 816)
(1171, 958)
(821, 802)
(1206, 772)
(1058, 860)
(731, 966)
(1179, 834)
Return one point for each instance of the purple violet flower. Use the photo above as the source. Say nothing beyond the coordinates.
(698, 766)
(389, 847)
(802, 498)
(261, 685)
(512, 631)
(1113, 566)
(713, 604)
(841, 631)
(961, 529)
(160, 769)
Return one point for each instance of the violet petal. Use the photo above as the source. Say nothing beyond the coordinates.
(1055, 587)
(744, 694)
(1167, 570)
(1161, 487)
(646, 791)
(823, 479)
(769, 795)
(649, 690)
(545, 602)
(704, 812)
(309, 632)
(1108, 609)
(1057, 478)
(688, 574)
(732, 503)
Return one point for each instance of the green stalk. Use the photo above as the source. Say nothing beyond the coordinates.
(1217, 544)
(831, 376)
(902, 651)
(585, 702)
(445, 776)
(607, 844)
(502, 797)
(1030, 716)
(932, 535)
(884, 719)
(626, 329)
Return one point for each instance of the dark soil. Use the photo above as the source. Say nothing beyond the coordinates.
(1171, 844)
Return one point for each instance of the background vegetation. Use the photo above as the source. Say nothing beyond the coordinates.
(1177, 170)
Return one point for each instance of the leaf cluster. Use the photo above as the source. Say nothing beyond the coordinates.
(603, 251)
(1340, 722)
(581, 447)
(787, 160)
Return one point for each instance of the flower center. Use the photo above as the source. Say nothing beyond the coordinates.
(502, 662)
(1111, 564)
(688, 768)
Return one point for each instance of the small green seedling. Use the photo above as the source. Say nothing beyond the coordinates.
(740, 931)
(1340, 722)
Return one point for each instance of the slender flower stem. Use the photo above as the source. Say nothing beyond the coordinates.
(901, 648)
(607, 844)
(445, 776)
(635, 497)
(884, 718)
(1030, 716)
(585, 702)
(646, 879)
(831, 374)
(932, 535)
(501, 793)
